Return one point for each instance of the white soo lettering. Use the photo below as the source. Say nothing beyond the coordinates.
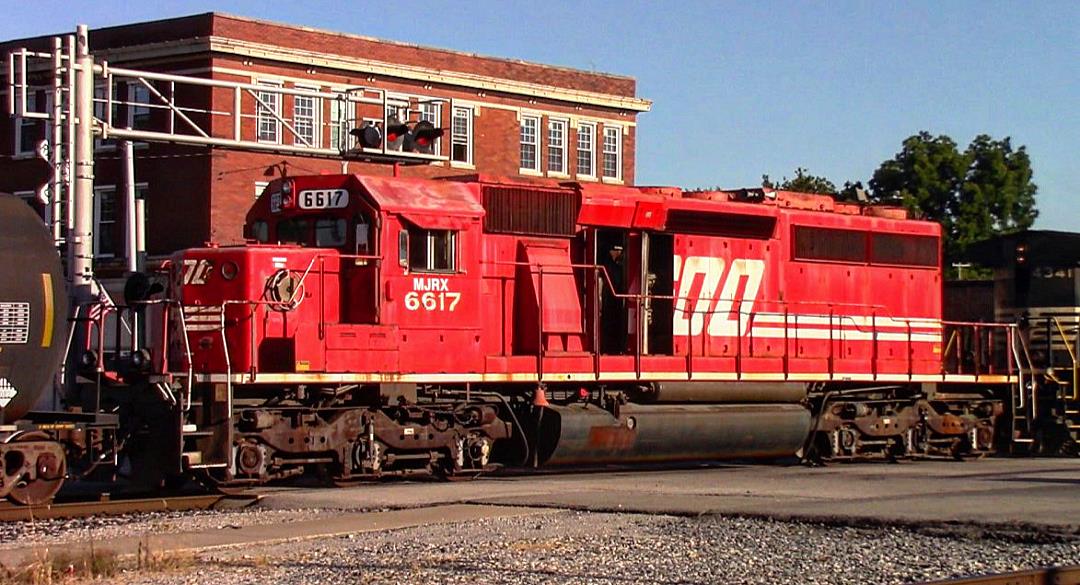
(721, 307)
(196, 271)
(431, 294)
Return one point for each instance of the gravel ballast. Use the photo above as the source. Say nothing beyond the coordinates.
(611, 548)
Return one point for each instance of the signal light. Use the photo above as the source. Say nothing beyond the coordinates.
(399, 136)
(395, 133)
(368, 135)
(422, 137)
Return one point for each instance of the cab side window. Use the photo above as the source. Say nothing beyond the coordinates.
(432, 250)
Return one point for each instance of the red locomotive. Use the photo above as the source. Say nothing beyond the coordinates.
(390, 325)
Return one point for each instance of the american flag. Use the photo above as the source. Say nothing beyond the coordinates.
(101, 304)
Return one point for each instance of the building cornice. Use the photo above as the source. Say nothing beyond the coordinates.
(253, 50)
(470, 80)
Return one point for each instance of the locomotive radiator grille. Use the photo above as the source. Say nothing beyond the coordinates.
(14, 323)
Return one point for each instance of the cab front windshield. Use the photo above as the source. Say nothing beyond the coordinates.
(324, 232)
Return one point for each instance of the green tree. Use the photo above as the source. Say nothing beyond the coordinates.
(803, 182)
(975, 194)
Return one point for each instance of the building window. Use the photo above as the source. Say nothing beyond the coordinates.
(340, 122)
(557, 146)
(138, 115)
(432, 112)
(268, 126)
(306, 118)
(432, 250)
(105, 221)
(530, 142)
(612, 152)
(30, 131)
(260, 186)
(586, 149)
(461, 130)
(99, 113)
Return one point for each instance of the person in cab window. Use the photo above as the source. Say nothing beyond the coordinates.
(612, 315)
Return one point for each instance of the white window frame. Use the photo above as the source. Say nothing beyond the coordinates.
(431, 111)
(261, 117)
(133, 104)
(22, 123)
(106, 145)
(558, 135)
(462, 138)
(617, 132)
(398, 106)
(341, 122)
(98, 232)
(589, 150)
(260, 186)
(313, 120)
(535, 143)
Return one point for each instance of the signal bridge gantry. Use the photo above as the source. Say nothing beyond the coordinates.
(83, 102)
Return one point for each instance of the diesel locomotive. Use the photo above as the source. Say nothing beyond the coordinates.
(379, 325)
(376, 326)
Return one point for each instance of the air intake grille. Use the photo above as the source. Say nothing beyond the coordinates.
(529, 211)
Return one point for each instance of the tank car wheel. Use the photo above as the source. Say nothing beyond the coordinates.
(51, 471)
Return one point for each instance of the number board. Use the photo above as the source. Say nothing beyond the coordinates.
(324, 199)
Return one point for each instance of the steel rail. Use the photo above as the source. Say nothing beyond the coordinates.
(16, 513)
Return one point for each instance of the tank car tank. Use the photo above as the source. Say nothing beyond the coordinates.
(33, 309)
(33, 335)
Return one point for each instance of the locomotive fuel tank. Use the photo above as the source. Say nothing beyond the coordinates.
(580, 434)
(33, 309)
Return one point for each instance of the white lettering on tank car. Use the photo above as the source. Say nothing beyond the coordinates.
(14, 323)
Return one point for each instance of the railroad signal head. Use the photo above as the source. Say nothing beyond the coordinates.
(369, 135)
(422, 137)
(395, 133)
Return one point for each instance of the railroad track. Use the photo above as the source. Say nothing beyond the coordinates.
(1043, 576)
(83, 509)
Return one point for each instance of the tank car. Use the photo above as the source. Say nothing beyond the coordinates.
(33, 333)
(377, 325)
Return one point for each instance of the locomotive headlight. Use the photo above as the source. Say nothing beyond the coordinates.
(229, 270)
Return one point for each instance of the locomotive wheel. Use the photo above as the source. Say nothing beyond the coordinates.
(50, 474)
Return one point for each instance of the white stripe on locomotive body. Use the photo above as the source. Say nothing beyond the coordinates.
(711, 310)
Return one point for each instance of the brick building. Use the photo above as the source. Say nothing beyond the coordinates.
(500, 116)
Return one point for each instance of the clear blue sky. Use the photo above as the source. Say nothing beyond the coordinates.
(746, 88)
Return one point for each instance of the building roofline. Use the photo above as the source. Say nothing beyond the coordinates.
(415, 45)
(217, 14)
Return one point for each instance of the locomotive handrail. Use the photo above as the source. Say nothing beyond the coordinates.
(838, 322)
(1072, 355)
